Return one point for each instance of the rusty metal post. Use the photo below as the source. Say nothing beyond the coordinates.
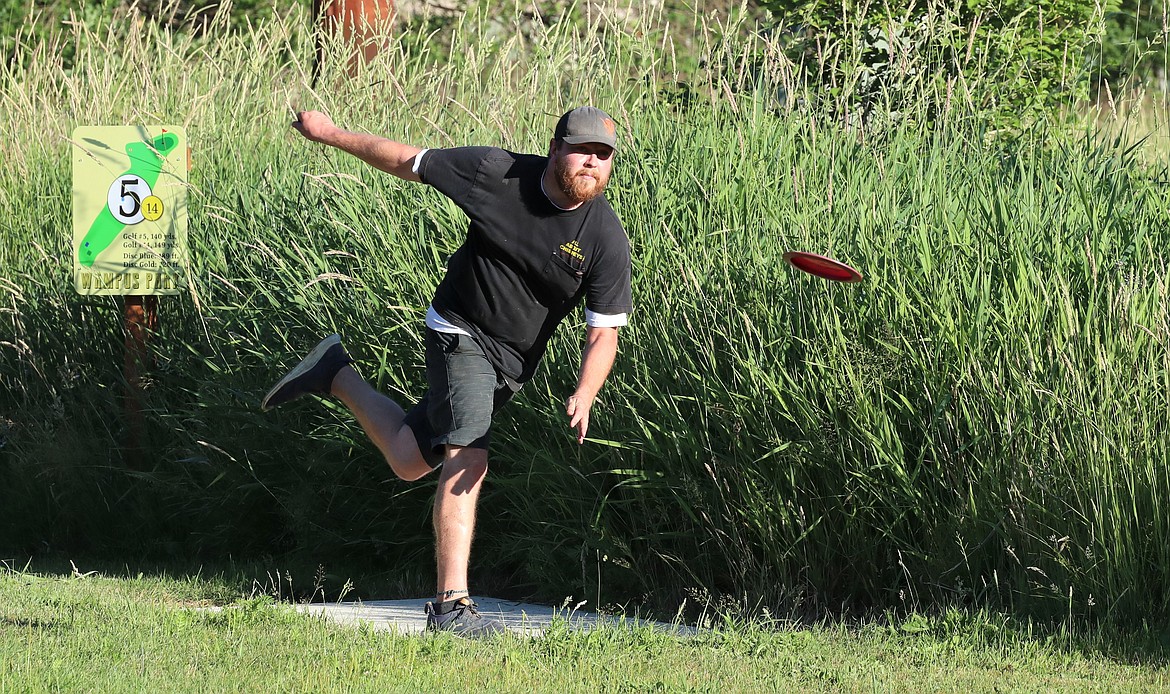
(139, 320)
(360, 23)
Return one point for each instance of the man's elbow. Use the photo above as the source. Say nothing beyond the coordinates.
(602, 337)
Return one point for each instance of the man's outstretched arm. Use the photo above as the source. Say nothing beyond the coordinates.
(379, 152)
(596, 360)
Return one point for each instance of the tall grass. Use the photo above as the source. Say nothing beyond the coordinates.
(983, 420)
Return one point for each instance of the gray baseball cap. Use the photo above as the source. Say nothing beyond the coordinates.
(586, 124)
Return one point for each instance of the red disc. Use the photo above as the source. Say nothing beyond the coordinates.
(822, 266)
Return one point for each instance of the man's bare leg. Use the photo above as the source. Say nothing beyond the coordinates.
(381, 418)
(454, 516)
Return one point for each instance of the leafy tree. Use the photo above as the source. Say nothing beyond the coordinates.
(32, 22)
(1134, 47)
(1013, 59)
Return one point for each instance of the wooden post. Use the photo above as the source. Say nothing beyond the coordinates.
(139, 319)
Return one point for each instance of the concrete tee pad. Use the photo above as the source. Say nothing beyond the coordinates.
(407, 616)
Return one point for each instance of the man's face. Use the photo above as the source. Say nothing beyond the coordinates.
(582, 171)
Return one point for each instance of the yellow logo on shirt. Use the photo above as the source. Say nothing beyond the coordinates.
(570, 254)
(572, 249)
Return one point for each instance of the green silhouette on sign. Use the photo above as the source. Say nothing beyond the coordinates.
(146, 160)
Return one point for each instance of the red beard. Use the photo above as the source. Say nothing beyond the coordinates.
(579, 188)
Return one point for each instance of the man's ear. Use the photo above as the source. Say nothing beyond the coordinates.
(552, 147)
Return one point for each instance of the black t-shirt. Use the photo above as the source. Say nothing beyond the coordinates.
(525, 263)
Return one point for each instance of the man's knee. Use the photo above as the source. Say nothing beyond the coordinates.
(464, 467)
(404, 456)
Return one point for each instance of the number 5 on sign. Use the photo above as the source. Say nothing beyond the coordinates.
(125, 199)
(129, 210)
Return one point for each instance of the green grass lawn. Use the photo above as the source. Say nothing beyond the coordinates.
(137, 632)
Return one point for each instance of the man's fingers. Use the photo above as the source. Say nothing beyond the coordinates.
(299, 126)
(578, 417)
(578, 412)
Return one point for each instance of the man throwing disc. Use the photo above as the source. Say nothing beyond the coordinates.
(541, 238)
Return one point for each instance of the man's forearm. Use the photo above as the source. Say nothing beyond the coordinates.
(379, 152)
(597, 359)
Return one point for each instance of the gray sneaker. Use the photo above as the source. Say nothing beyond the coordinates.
(313, 375)
(462, 619)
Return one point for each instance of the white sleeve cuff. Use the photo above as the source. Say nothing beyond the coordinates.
(417, 161)
(605, 320)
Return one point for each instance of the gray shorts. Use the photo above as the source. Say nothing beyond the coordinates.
(464, 393)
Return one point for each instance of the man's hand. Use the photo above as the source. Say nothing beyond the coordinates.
(577, 407)
(314, 125)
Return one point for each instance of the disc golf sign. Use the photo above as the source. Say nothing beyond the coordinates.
(129, 210)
